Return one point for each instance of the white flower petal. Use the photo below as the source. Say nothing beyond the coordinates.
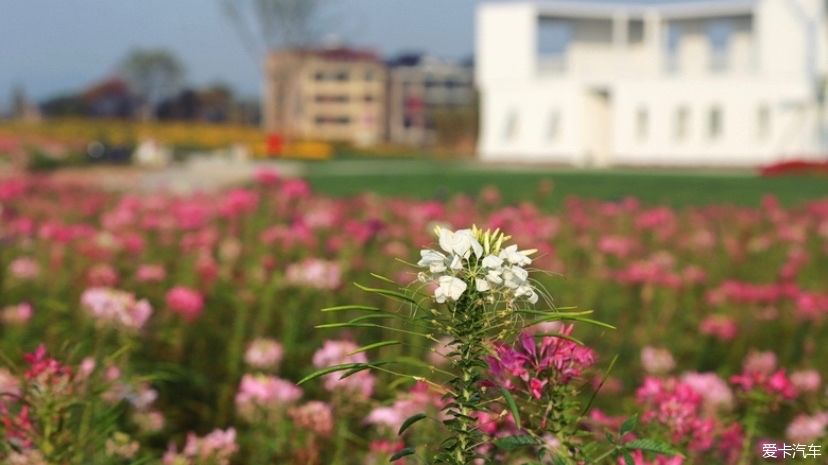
(451, 287)
(492, 262)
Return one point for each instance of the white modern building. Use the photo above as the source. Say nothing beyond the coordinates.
(706, 82)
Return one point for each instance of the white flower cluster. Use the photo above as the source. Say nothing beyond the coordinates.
(474, 256)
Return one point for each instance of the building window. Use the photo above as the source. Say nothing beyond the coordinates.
(554, 37)
(715, 123)
(682, 123)
(510, 129)
(673, 46)
(319, 76)
(719, 32)
(763, 122)
(369, 75)
(553, 127)
(642, 123)
(341, 76)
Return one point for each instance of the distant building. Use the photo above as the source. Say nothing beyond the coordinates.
(419, 87)
(22, 108)
(331, 94)
(715, 82)
(110, 98)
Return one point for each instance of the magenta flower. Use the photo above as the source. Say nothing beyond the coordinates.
(186, 302)
(553, 359)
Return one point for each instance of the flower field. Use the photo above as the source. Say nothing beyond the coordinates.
(188, 330)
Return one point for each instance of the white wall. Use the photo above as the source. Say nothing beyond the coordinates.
(768, 68)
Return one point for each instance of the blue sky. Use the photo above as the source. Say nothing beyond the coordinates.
(56, 45)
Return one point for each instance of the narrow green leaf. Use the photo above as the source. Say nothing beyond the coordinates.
(387, 293)
(651, 445)
(373, 325)
(600, 385)
(514, 442)
(342, 308)
(403, 453)
(383, 278)
(628, 425)
(410, 421)
(510, 401)
(628, 458)
(328, 370)
(375, 345)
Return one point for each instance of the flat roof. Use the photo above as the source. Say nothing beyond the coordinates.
(639, 9)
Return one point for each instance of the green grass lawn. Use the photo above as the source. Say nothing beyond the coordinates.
(436, 180)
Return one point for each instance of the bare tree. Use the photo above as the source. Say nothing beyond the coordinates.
(152, 75)
(268, 24)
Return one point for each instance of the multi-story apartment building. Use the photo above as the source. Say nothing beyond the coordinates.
(420, 86)
(710, 82)
(329, 94)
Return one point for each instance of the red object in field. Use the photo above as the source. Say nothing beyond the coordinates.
(795, 167)
(275, 144)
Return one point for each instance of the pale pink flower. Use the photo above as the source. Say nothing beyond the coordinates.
(265, 394)
(263, 353)
(806, 429)
(341, 352)
(438, 356)
(657, 360)
(760, 362)
(315, 273)
(417, 400)
(713, 389)
(314, 416)
(17, 314)
(149, 421)
(116, 308)
(24, 268)
(9, 384)
(217, 448)
(806, 380)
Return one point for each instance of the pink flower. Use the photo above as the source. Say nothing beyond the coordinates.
(555, 358)
(713, 389)
(24, 268)
(536, 387)
(263, 353)
(150, 274)
(9, 384)
(314, 416)
(806, 429)
(806, 380)
(719, 326)
(216, 448)
(315, 273)
(266, 176)
(238, 202)
(116, 308)
(102, 275)
(417, 400)
(341, 352)
(17, 314)
(186, 302)
(265, 394)
(657, 360)
(760, 362)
